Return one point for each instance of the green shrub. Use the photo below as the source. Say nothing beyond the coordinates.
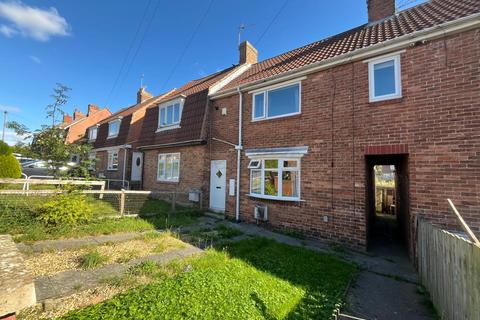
(9, 167)
(92, 259)
(65, 209)
(5, 149)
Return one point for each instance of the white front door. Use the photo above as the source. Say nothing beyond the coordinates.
(137, 164)
(218, 181)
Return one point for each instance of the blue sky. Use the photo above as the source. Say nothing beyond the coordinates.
(83, 44)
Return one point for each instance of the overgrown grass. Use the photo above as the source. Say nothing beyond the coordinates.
(92, 259)
(251, 279)
(18, 217)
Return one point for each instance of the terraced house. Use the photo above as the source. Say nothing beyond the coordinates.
(115, 140)
(294, 141)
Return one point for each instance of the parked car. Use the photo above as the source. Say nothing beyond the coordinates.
(40, 168)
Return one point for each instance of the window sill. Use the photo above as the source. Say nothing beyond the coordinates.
(386, 102)
(111, 137)
(168, 181)
(385, 98)
(252, 195)
(277, 117)
(112, 170)
(176, 126)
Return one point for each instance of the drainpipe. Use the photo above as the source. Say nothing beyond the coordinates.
(124, 165)
(239, 148)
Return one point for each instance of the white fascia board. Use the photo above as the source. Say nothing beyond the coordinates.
(277, 152)
(227, 79)
(451, 27)
(122, 146)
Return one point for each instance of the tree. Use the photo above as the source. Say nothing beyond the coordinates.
(61, 98)
(9, 165)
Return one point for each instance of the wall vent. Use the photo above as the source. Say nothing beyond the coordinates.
(261, 212)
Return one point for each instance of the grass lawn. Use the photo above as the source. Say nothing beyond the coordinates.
(251, 279)
(18, 218)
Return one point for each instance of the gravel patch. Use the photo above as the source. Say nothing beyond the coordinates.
(50, 263)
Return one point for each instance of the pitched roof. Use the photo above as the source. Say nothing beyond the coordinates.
(423, 16)
(193, 113)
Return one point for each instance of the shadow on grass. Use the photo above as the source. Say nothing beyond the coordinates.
(323, 277)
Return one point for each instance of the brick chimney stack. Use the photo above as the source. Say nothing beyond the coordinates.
(67, 119)
(92, 108)
(248, 53)
(380, 9)
(77, 114)
(143, 95)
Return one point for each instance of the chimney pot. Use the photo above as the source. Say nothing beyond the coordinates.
(248, 53)
(143, 95)
(77, 114)
(380, 9)
(92, 108)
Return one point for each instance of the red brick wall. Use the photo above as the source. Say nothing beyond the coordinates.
(438, 119)
(193, 170)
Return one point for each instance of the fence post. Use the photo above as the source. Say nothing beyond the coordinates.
(174, 199)
(122, 202)
(102, 188)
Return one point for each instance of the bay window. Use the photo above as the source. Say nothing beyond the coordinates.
(168, 168)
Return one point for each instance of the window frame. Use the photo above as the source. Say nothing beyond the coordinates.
(279, 170)
(164, 106)
(91, 130)
(265, 92)
(119, 121)
(92, 158)
(398, 78)
(110, 166)
(165, 177)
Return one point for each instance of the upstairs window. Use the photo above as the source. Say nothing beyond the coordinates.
(169, 114)
(384, 78)
(114, 128)
(276, 102)
(112, 163)
(92, 133)
(168, 168)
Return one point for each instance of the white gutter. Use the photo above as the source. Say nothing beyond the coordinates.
(462, 24)
(125, 147)
(239, 153)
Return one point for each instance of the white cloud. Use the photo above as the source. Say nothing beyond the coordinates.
(9, 108)
(39, 24)
(7, 31)
(12, 138)
(35, 59)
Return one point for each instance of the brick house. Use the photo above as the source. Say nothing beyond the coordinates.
(77, 126)
(173, 139)
(309, 126)
(115, 141)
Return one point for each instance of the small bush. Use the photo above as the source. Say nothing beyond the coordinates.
(9, 166)
(92, 260)
(5, 149)
(65, 209)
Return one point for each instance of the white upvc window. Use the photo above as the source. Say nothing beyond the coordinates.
(170, 114)
(168, 168)
(92, 158)
(114, 128)
(92, 133)
(112, 163)
(275, 178)
(276, 102)
(384, 78)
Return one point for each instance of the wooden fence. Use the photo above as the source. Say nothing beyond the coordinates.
(449, 267)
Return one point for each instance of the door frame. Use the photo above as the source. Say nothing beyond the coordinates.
(211, 194)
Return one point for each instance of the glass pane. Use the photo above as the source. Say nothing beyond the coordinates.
(290, 163)
(271, 183)
(258, 108)
(290, 183)
(161, 168)
(384, 75)
(168, 170)
(283, 101)
(176, 113)
(271, 164)
(176, 169)
(162, 117)
(169, 115)
(256, 186)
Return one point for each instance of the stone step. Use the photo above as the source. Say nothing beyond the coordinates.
(17, 290)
